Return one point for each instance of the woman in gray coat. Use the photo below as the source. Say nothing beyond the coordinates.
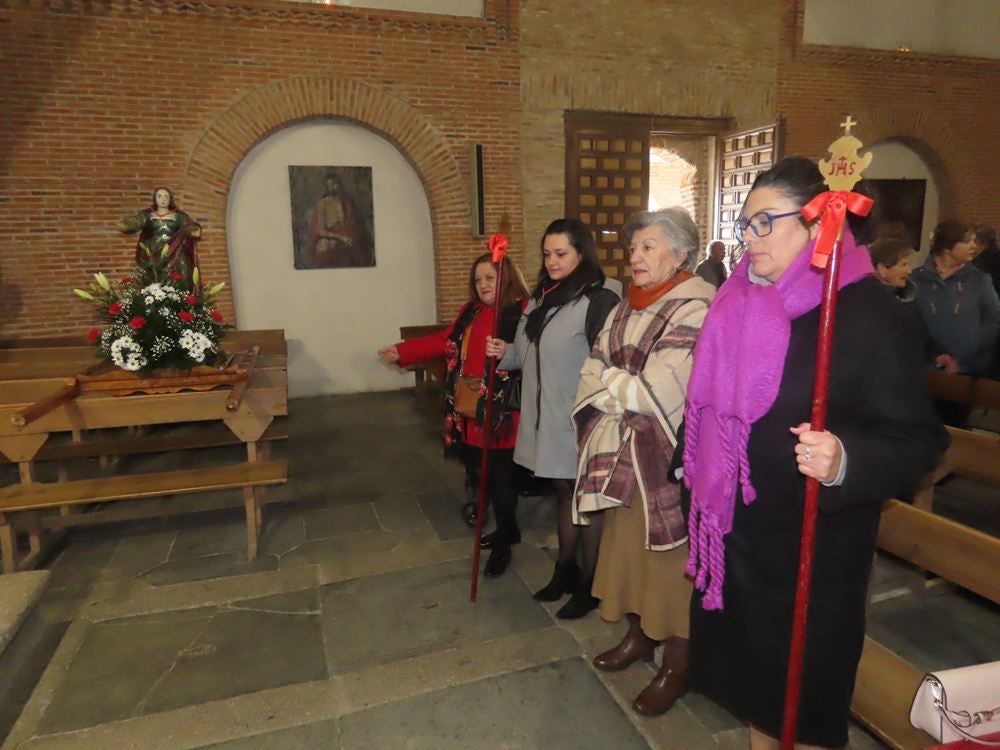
(560, 323)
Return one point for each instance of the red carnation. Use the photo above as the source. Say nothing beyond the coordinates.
(217, 315)
(190, 299)
(136, 323)
(176, 276)
(185, 316)
(92, 334)
(127, 280)
(114, 309)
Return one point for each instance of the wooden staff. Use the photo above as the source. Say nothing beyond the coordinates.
(842, 173)
(498, 246)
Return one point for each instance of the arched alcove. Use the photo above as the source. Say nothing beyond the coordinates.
(334, 318)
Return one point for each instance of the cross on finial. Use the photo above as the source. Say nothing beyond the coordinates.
(848, 124)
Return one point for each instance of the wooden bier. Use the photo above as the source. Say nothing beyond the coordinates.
(886, 683)
(248, 419)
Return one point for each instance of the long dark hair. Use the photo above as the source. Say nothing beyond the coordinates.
(799, 180)
(158, 188)
(586, 276)
(513, 287)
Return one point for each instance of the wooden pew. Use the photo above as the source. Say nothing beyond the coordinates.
(972, 454)
(963, 389)
(969, 558)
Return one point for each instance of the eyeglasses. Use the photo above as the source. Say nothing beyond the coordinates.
(760, 223)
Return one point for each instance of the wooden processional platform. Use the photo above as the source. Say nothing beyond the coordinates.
(59, 403)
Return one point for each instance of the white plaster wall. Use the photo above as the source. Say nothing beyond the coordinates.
(894, 160)
(943, 27)
(334, 318)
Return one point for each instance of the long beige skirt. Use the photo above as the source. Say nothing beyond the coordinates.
(630, 578)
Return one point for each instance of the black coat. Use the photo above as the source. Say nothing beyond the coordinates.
(880, 409)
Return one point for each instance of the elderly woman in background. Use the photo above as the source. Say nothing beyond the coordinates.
(891, 258)
(629, 408)
(566, 311)
(748, 448)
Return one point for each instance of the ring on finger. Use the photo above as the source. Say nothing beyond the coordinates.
(807, 456)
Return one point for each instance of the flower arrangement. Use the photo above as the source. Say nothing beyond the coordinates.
(156, 318)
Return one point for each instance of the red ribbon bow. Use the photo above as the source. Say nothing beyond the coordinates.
(498, 246)
(833, 205)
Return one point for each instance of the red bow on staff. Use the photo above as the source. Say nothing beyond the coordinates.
(832, 207)
(498, 249)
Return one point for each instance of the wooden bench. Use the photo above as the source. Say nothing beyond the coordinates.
(35, 497)
(886, 683)
(963, 389)
(971, 454)
(215, 417)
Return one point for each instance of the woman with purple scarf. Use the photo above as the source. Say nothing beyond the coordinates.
(748, 448)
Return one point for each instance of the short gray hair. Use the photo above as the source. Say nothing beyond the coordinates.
(676, 224)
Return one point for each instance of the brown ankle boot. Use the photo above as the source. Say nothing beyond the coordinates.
(634, 646)
(670, 682)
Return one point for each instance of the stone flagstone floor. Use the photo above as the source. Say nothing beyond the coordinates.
(353, 629)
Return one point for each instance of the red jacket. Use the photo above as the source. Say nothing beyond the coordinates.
(433, 347)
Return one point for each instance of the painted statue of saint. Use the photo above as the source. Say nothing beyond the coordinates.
(163, 224)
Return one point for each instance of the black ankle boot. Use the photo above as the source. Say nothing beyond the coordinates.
(581, 603)
(498, 561)
(563, 582)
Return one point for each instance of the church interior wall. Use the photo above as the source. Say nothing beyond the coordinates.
(104, 101)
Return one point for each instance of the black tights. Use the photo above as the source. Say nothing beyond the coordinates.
(501, 489)
(571, 535)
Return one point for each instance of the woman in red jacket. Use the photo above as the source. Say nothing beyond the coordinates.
(463, 345)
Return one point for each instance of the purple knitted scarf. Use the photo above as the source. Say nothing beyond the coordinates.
(738, 364)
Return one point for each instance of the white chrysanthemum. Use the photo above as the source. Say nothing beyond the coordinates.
(195, 344)
(156, 291)
(127, 354)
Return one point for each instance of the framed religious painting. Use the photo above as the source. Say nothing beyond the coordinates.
(899, 207)
(333, 216)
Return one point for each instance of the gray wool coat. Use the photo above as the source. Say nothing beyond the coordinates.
(546, 437)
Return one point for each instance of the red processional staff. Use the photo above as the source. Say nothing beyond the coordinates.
(841, 172)
(498, 247)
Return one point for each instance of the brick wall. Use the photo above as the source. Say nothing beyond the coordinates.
(940, 107)
(102, 101)
(710, 58)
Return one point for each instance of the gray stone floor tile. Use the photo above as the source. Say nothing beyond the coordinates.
(384, 618)
(400, 513)
(710, 715)
(284, 529)
(118, 663)
(560, 706)
(332, 522)
(321, 735)
(212, 537)
(22, 664)
(294, 602)
(205, 568)
(139, 553)
(242, 651)
(82, 560)
(444, 511)
(323, 550)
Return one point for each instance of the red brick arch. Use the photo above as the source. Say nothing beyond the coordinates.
(929, 136)
(265, 110)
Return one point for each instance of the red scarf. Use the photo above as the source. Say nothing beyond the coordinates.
(642, 298)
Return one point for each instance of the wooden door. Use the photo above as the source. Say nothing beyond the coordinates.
(607, 180)
(742, 156)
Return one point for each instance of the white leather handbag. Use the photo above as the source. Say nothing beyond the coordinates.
(960, 704)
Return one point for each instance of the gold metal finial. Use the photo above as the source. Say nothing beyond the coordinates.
(844, 169)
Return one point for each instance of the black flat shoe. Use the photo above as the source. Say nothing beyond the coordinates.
(580, 604)
(564, 579)
(490, 540)
(498, 561)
